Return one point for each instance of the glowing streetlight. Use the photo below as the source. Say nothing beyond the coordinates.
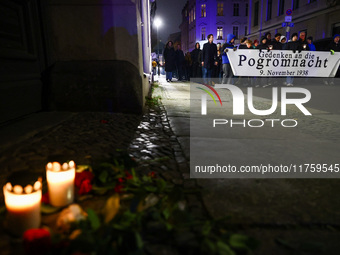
(158, 23)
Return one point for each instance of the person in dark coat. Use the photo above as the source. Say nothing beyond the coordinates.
(335, 44)
(293, 45)
(303, 42)
(265, 81)
(277, 45)
(263, 44)
(180, 62)
(243, 45)
(209, 56)
(333, 47)
(196, 61)
(268, 35)
(170, 60)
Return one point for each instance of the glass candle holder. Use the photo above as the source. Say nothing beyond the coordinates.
(60, 180)
(23, 207)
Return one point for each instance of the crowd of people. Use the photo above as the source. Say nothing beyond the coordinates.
(212, 61)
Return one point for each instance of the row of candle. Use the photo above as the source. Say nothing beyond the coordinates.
(23, 203)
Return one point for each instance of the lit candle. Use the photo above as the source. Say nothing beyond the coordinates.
(60, 180)
(23, 207)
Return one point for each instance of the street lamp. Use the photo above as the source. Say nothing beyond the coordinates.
(158, 23)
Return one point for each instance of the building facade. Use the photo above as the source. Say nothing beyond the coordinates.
(319, 18)
(74, 55)
(217, 17)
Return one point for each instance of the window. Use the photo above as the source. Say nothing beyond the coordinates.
(203, 30)
(194, 12)
(189, 17)
(235, 32)
(245, 30)
(219, 9)
(336, 29)
(269, 9)
(247, 7)
(236, 10)
(219, 33)
(203, 10)
(281, 7)
(256, 14)
(295, 4)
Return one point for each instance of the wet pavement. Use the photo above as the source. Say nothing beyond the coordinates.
(286, 216)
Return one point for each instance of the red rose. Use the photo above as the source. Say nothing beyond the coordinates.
(118, 188)
(80, 177)
(37, 241)
(152, 174)
(120, 180)
(85, 187)
(128, 175)
(45, 198)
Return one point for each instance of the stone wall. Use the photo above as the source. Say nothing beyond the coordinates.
(97, 55)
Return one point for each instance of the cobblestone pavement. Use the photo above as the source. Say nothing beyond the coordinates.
(288, 216)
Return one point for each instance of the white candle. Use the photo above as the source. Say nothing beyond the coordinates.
(23, 209)
(60, 180)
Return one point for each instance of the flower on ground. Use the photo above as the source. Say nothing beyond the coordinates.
(37, 241)
(45, 198)
(85, 187)
(83, 182)
(72, 214)
(119, 188)
(152, 174)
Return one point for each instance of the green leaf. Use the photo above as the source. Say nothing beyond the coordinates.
(103, 176)
(139, 241)
(206, 228)
(224, 249)
(48, 209)
(238, 241)
(151, 188)
(93, 218)
(166, 213)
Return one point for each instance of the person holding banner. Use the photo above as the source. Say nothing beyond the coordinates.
(266, 82)
(293, 45)
(227, 72)
(333, 47)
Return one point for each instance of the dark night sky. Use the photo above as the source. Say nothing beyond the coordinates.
(169, 11)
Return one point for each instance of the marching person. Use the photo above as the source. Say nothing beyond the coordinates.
(266, 82)
(180, 62)
(196, 61)
(209, 59)
(227, 72)
(293, 45)
(170, 60)
(333, 47)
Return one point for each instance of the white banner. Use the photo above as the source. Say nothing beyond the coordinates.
(276, 63)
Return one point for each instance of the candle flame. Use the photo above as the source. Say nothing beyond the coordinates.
(49, 166)
(28, 189)
(71, 164)
(17, 189)
(9, 186)
(56, 166)
(37, 185)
